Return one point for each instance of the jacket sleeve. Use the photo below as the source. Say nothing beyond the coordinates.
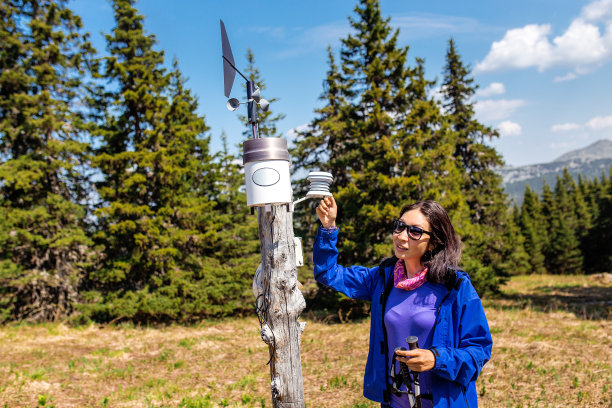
(356, 282)
(463, 364)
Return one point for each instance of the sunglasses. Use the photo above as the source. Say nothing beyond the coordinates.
(413, 232)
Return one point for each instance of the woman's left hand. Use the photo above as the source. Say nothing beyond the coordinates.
(418, 359)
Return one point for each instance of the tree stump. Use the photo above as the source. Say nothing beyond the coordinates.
(280, 303)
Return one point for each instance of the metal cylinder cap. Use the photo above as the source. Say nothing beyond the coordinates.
(265, 148)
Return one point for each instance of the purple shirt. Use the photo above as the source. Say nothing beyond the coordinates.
(412, 313)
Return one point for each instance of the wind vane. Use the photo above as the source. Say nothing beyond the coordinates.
(229, 74)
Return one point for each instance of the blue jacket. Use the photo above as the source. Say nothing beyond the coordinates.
(461, 341)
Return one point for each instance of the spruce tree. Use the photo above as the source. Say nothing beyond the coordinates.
(374, 84)
(237, 251)
(387, 139)
(548, 206)
(425, 156)
(323, 144)
(593, 190)
(564, 250)
(352, 132)
(564, 256)
(597, 243)
(533, 229)
(582, 204)
(425, 168)
(582, 211)
(481, 185)
(158, 226)
(390, 144)
(520, 262)
(43, 240)
(357, 136)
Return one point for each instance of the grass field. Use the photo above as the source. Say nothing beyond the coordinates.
(552, 348)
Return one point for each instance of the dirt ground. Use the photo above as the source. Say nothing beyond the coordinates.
(552, 348)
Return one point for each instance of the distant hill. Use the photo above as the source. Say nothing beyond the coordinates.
(602, 149)
(590, 162)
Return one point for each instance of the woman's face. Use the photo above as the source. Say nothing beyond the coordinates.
(407, 248)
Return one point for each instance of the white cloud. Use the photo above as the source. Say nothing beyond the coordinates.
(495, 88)
(295, 41)
(291, 134)
(325, 34)
(586, 43)
(580, 45)
(490, 110)
(428, 25)
(300, 40)
(508, 128)
(565, 127)
(274, 32)
(595, 124)
(436, 93)
(597, 10)
(568, 77)
(600, 122)
(520, 48)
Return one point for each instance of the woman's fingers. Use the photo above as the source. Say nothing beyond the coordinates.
(407, 353)
(417, 360)
(326, 211)
(322, 210)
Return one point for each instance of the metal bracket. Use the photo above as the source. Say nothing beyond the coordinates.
(299, 256)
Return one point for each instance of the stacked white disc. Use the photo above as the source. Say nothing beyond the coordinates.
(320, 181)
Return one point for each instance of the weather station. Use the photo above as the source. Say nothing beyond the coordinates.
(279, 300)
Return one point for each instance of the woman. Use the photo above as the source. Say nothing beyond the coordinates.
(419, 292)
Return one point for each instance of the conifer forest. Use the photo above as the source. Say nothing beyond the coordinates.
(115, 207)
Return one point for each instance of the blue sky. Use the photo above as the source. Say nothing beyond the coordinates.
(544, 67)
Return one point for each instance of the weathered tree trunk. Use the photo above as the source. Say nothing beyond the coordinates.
(280, 304)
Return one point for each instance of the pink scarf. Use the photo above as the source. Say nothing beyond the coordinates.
(401, 281)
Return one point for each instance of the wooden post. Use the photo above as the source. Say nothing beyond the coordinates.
(280, 302)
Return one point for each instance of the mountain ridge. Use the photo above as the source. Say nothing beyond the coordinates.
(590, 162)
(601, 149)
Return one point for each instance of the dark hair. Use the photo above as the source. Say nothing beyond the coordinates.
(443, 259)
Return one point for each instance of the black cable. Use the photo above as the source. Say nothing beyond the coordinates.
(261, 309)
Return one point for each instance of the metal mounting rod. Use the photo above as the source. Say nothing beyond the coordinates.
(235, 69)
(252, 107)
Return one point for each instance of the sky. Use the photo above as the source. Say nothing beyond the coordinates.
(543, 67)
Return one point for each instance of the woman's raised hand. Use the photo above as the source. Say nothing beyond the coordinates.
(327, 212)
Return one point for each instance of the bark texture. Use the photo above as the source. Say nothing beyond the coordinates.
(280, 303)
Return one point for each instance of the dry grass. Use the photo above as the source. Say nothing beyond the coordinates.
(553, 348)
